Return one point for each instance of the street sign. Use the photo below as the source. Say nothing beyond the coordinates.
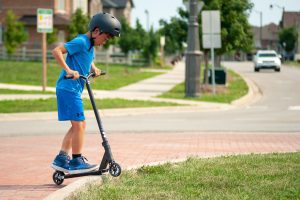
(211, 29)
(44, 20)
(211, 36)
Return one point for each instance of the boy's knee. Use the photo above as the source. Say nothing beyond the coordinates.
(79, 125)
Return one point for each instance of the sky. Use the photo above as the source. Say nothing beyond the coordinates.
(165, 9)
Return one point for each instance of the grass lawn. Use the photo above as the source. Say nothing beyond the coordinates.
(291, 63)
(9, 91)
(40, 105)
(236, 88)
(30, 73)
(269, 177)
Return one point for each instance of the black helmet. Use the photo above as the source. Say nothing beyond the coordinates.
(106, 23)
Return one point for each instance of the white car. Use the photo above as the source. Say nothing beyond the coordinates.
(267, 59)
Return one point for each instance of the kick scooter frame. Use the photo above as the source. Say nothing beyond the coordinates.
(107, 164)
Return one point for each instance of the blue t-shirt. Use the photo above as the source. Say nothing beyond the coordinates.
(80, 57)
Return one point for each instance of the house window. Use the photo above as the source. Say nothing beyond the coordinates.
(82, 4)
(61, 5)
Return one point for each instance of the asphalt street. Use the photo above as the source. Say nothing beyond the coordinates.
(277, 111)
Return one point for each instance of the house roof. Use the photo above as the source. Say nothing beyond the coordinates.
(116, 3)
(269, 32)
(290, 19)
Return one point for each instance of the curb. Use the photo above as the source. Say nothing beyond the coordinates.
(74, 187)
(254, 94)
(79, 185)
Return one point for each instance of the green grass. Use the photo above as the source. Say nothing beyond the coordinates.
(268, 177)
(292, 63)
(30, 73)
(236, 88)
(10, 91)
(45, 105)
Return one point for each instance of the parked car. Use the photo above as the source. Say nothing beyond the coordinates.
(267, 59)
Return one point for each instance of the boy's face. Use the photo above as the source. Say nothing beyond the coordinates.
(100, 39)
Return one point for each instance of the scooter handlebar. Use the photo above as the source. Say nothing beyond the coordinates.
(92, 74)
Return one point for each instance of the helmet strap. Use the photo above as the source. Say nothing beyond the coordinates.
(91, 40)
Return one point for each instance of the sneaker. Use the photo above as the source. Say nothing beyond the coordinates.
(79, 165)
(61, 163)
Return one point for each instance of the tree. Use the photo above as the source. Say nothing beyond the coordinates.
(14, 33)
(151, 45)
(236, 31)
(288, 38)
(52, 37)
(139, 35)
(175, 33)
(126, 40)
(78, 25)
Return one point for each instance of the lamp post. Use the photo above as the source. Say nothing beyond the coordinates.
(260, 29)
(280, 7)
(192, 64)
(147, 13)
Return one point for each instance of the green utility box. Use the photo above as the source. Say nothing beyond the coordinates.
(220, 76)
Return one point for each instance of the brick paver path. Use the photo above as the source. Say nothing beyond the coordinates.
(25, 171)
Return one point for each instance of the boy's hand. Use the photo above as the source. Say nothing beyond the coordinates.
(74, 73)
(97, 71)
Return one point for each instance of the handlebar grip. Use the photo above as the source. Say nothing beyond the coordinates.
(69, 76)
(103, 73)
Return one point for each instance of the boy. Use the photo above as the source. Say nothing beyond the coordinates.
(79, 61)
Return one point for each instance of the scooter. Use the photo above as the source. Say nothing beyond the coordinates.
(107, 164)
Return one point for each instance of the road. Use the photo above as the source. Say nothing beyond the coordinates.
(277, 111)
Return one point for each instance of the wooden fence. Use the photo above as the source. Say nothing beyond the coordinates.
(24, 54)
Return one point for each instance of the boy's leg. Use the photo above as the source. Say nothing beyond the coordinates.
(78, 129)
(67, 141)
(78, 164)
(61, 161)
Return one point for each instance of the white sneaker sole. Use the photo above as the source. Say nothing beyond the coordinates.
(59, 169)
(79, 171)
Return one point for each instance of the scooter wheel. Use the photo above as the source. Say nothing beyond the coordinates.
(115, 169)
(58, 177)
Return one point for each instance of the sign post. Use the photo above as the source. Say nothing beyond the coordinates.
(211, 36)
(44, 26)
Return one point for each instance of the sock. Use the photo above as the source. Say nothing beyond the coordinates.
(76, 155)
(61, 152)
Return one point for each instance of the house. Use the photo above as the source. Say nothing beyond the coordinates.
(119, 8)
(290, 19)
(269, 38)
(62, 12)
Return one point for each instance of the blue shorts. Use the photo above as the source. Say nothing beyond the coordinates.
(69, 106)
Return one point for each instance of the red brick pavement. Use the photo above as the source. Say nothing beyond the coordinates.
(25, 171)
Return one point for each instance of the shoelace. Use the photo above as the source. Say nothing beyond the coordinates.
(84, 159)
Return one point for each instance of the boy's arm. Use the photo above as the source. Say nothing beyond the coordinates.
(58, 55)
(95, 69)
